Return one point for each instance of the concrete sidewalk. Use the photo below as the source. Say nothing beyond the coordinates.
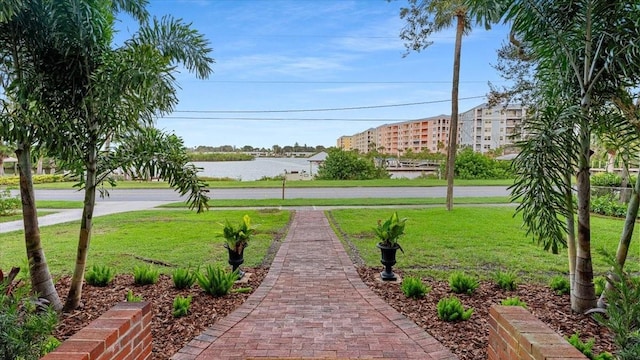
(312, 304)
(69, 215)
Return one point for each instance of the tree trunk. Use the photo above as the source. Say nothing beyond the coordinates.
(583, 296)
(75, 290)
(453, 124)
(41, 280)
(627, 234)
(571, 236)
(1, 166)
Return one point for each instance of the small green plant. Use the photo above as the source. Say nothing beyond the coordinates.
(8, 204)
(623, 313)
(600, 284)
(586, 348)
(451, 309)
(26, 323)
(514, 301)
(183, 278)
(560, 285)
(238, 237)
(133, 298)
(461, 283)
(242, 290)
(414, 287)
(506, 280)
(181, 305)
(99, 275)
(145, 275)
(389, 232)
(216, 281)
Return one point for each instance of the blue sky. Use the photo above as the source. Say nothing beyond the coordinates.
(274, 55)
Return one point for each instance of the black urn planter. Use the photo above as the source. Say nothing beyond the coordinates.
(388, 260)
(235, 260)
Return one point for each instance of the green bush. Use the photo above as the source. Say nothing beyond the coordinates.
(9, 205)
(37, 179)
(133, 298)
(181, 305)
(183, 278)
(586, 348)
(414, 287)
(606, 180)
(216, 281)
(99, 275)
(461, 283)
(506, 280)
(473, 165)
(560, 284)
(513, 301)
(608, 205)
(623, 314)
(451, 309)
(145, 275)
(25, 325)
(348, 165)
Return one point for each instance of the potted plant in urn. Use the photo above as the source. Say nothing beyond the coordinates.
(237, 239)
(388, 233)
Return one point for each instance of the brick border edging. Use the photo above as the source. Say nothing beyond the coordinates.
(123, 332)
(515, 333)
(414, 332)
(196, 346)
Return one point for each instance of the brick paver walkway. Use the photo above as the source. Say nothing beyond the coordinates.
(313, 305)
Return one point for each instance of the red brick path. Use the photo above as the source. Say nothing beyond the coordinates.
(312, 304)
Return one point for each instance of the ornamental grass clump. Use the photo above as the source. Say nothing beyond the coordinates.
(460, 283)
(451, 309)
(506, 280)
(216, 281)
(560, 284)
(131, 297)
(513, 301)
(100, 275)
(181, 305)
(414, 287)
(183, 278)
(145, 275)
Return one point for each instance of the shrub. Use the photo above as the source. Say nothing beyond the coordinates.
(514, 301)
(348, 165)
(100, 275)
(506, 280)
(623, 314)
(414, 287)
(606, 180)
(608, 205)
(461, 283)
(451, 309)
(145, 275)
(26, 324)
(181, 305)
(473, 165)
(8, 204)
(133, 298)
(560, 285)
(183, 278)
(216, 281)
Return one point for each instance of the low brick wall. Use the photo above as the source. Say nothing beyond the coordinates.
(516, 334)
(123, 332)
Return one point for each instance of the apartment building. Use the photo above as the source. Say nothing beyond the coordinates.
(344, 142)
(484, 128)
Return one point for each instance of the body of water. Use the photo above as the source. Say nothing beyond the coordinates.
(254, 169)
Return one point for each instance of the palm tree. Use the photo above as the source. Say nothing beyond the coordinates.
(423, 18)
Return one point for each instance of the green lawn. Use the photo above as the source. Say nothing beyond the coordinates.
(19, 216)
(478, 240)
(343, 202)
(296, 184)
(172, 236)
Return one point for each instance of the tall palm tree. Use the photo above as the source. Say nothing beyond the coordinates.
(424, 17)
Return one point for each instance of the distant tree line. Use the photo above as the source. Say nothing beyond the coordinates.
(275, 149)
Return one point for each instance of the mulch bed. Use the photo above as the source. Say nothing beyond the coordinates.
(467, 339)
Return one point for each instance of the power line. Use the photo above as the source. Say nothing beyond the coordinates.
(281, 119)
(347, 82)
(325, 109)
